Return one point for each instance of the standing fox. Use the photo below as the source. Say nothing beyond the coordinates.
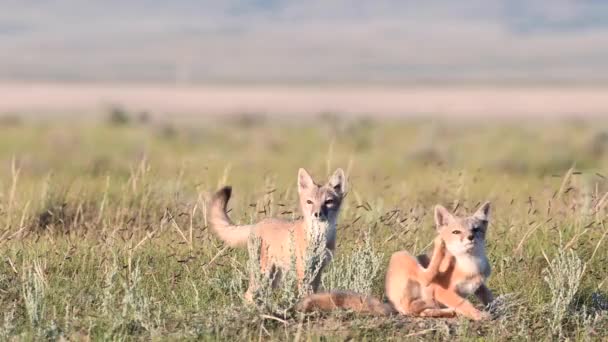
(458, 268)
(320, 206)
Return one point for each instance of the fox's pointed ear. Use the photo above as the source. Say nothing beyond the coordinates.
(305, 182)
(483, 213)
(338, 181)
(442, 216)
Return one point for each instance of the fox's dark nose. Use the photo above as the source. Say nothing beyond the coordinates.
(323, 211)
(471, 237)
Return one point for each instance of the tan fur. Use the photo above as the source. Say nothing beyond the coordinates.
(320, 206)
(462, 272)
(330, 301)
(430, 287)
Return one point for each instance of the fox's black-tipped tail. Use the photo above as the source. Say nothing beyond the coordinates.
(330, 301)
(222, 196)
(220, 222)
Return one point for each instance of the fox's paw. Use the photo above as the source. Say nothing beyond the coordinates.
(482, 316)
(248, 297)
(439, 243)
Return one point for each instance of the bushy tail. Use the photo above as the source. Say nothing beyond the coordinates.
(329, 301)
(220, 222)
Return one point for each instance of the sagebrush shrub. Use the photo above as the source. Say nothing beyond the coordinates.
(355, 271)
(563, 276)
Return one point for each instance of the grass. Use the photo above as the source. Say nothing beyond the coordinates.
(103, 233)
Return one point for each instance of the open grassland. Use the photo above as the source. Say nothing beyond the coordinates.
(103, 232)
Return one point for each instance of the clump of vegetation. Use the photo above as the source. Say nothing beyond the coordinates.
(118, 116)
(248, 120)
(563, 276)
(356, 271)
(10, 120)
(168, 131)
(598, 144)
(144, 117)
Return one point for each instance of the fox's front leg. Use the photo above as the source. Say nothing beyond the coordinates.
(462, 306)
(427, 276)
(300, 276)
(484, 294)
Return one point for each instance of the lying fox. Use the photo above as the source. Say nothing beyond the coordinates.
(458, 268)
(320, 206)
(362, 303)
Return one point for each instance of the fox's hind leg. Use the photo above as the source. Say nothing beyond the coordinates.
(421, 307)
(402, 283)
(420, 300)
(397, 280)
(271, 277)
(414, 307)
(426, 275)
(413, 300)
(248, 296)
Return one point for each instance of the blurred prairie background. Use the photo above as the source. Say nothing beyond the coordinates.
(118, 119)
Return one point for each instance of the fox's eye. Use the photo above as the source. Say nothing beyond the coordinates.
(329, 201)
(475, 230)
(456, 232)
(309, 201)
